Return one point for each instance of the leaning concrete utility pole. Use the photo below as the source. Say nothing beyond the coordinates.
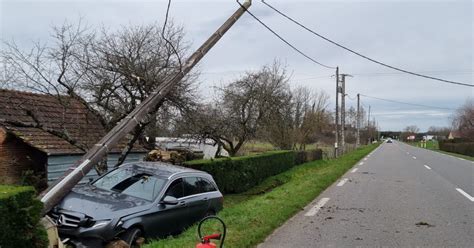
(336, 144)
(53, 194)
(358, 121)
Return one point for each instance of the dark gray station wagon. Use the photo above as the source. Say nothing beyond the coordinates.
(146, 199)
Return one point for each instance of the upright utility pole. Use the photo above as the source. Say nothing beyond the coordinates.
(368, 126)
(336, 144)
(53, 194)
(358, 121)
(343, 113)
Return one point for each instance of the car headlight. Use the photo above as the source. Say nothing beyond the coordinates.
(100, 223)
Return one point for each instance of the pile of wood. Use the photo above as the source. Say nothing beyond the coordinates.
(174, 156)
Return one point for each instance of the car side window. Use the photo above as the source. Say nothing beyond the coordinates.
(206, 185)
(175, 189)
(191, 186)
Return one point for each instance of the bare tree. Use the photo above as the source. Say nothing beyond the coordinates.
(110, 72)
(440, 132)
(409, 131)
(242, 106)
(310, 115)
(463, 119)
(124, 67)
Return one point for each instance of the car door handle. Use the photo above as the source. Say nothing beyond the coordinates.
(205, 199)
(182, 204)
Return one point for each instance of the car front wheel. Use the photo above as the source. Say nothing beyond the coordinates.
(133, 237)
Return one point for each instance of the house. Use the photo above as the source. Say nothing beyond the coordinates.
(454, 135)
(428, 137)
(41, 136)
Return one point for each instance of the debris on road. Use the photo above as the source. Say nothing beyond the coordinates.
(422, 223)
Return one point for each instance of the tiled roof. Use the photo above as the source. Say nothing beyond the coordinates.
(49, 122)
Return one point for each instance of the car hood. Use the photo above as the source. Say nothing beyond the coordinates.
(101, 204)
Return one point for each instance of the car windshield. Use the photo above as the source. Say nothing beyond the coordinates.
(132, 182)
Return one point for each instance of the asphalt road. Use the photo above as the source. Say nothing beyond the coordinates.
(398, 196)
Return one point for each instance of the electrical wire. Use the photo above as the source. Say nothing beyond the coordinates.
(284, 40)
(407, 103)
(361, 55)
(167, 41)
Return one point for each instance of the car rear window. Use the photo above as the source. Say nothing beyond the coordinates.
(206, 185)
(191, 186)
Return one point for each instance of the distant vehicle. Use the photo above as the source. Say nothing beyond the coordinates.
(389, 141)
(145, 199)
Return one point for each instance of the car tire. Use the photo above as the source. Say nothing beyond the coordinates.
(131, 235)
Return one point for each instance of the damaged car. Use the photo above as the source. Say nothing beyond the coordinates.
(135, 201)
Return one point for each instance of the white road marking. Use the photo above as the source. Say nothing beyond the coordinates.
(462, 159)
(354, 170)
(465, 194)
(414, 157)
(408, 153)
(427, 167)
(314, 210)
(361, 163)
(342, 182)
(365, 159)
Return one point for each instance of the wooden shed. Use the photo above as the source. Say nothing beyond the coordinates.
(41, 136)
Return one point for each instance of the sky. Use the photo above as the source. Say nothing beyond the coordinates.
(431, 37)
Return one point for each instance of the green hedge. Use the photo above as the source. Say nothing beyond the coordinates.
(302, 157)
(465, 148)
(238, 174)
(19, 218)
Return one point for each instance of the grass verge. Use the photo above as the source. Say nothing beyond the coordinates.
(455, 155)
(251, 216)
(433, 146)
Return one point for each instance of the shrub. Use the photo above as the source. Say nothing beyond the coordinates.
(19, 218)
(456, 146)
(238, 174)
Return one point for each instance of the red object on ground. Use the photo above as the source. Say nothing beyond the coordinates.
(206, 241)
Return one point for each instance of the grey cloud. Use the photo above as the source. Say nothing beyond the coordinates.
(431, 36)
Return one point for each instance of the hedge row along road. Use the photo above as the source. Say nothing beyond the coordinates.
(239, 174)
(252, 220)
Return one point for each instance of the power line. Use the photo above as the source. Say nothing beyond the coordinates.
(285, 41)
(167, 41)
(406, 103)
(361, 55)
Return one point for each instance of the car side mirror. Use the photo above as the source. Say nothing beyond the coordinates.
(169, 200)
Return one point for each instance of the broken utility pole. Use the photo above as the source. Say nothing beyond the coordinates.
(51, 196)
